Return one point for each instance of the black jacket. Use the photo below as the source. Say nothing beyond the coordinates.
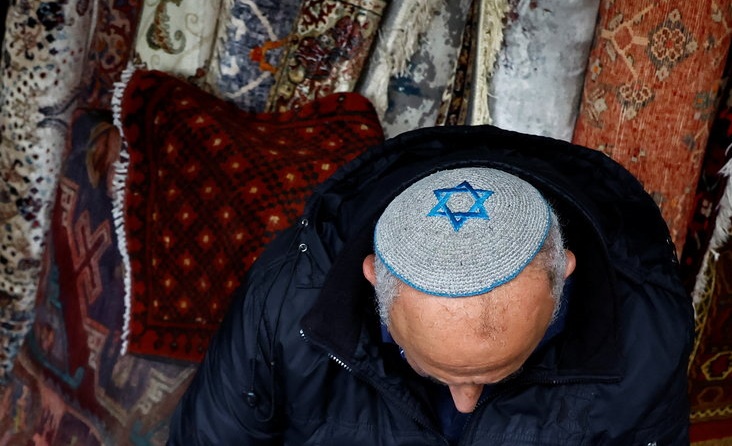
(300, 359)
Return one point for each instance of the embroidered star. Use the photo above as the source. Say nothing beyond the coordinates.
(458, 218)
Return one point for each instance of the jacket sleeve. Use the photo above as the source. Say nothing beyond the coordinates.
(221, 405)
(652, 401)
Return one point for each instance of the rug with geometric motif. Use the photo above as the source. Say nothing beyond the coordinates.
(71, 384)
(206, 186)
(647, 102)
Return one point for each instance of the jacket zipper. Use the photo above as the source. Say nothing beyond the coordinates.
(350, 370)
(331, 356)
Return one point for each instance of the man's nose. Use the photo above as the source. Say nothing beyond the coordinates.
(466, 396)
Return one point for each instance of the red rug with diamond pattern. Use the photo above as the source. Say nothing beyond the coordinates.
(207, 186)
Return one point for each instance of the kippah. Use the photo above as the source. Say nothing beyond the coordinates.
(462, 232)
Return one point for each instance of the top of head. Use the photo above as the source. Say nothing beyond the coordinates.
(462, 232)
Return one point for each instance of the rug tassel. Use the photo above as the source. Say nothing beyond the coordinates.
(118, 199)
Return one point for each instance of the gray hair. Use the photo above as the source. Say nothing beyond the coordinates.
(552, 258)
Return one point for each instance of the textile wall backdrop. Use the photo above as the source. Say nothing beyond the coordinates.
(654, 72)
(646, 101)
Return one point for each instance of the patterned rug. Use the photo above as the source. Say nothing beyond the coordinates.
(47, 68)
(646, 103)
(70, 384)
(706, 269)
(711, 186)
(537, 82)
(466, 99)
(207, 186)
(176, 36)
(710, 369)
(325, 51)
(249, 43)
(110, 47)
(408, 72)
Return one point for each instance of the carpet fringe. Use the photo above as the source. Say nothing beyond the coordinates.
(119, 182)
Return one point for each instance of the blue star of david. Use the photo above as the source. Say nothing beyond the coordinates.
(477, 210)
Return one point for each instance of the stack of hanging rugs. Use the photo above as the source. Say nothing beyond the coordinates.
(205, 186)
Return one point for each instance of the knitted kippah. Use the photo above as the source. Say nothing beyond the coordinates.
(462, 232)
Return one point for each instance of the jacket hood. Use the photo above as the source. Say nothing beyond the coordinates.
(608, 221)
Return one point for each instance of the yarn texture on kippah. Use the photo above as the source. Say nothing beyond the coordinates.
(462, 232)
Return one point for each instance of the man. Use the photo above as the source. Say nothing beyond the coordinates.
(458, 285)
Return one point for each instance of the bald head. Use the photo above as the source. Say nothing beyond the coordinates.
(465, 343)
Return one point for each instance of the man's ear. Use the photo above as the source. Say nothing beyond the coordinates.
(571, 263)
(369, 271)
